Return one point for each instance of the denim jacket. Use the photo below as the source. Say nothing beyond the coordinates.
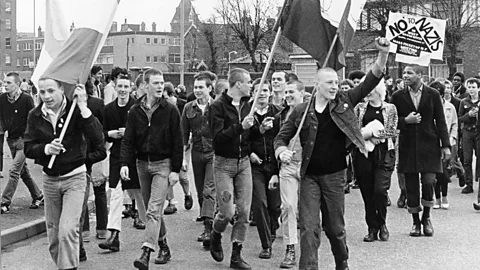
(196, 122)
(341, 111)
(466, 121)
(390, 119)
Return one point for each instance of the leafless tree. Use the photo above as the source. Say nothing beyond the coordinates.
(248, 20)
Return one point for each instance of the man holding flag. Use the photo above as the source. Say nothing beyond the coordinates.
(328, 128)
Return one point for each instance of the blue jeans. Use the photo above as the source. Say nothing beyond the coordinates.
(63, 207)
(202, 165)
(19, 169)
(233, 181)
(153, 178)
(323, 193)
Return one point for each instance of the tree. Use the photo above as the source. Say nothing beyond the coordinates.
(248, 20)
(379, 10)
(208, 31)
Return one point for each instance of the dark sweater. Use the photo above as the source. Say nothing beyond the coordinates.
(13, 116)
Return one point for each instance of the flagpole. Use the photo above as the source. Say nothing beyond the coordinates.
(265, 71)
(325, 62)
(64, 130)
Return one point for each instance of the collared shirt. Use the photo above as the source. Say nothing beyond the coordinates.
(416, 96)
(52, 116)
(15, 97)
(195, 121)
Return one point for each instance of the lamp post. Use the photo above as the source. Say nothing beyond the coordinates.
(229, 58)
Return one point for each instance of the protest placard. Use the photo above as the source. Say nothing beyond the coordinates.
(416, 39)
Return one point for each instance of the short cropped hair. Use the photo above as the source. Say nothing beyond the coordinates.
(15, 75)
(117, 71)
(212, 76)
(472, 80)
(236, 75)
(292, 77)
(221, 86)
(417, 68)
(347, 82)
(202, 77)
(300, 86)
(151, 72)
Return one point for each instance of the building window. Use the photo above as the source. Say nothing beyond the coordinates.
(133, 58)
(38, 45)
(148, 59)
(163, 41)
(133, 40)
(18, 47)
(8, 45)
(174, 58)
(155, 59)
(163, 59)
(25, 62)
(8, 24)
(171, 41)
(8, 59)
(155, 41)
(177, 41)
(18, 62)
(109, 42)
(27, 46)
(8, 7)
(147, 40)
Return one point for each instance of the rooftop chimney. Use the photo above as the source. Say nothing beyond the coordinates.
(142, 26)
(113, 28)
(154, 27)
(40, 32)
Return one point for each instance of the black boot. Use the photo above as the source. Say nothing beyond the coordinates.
(83, 254)
(416, 229)
(371, 236)
(341, 265)
(112, 243)
(289, 261)
(208, 232)
(142, 262)
(237, 262)
(163, 253)
(127, 212)
(137, 223)
(216, 249)
(427, 224)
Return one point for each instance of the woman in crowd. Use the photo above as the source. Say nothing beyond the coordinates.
(378, 122)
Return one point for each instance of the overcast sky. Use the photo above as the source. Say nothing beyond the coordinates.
(135, 11)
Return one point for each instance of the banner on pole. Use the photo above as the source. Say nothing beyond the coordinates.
(416, 39)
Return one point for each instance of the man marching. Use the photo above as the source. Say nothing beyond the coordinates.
(329, 126)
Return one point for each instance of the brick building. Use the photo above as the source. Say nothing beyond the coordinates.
(8, 32)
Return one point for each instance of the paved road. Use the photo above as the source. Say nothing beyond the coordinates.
(454, 245)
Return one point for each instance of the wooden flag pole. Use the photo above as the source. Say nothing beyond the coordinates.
(297, 134)
(265, 71)
(64, 130)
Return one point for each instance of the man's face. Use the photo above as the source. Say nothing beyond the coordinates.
(10, 85)
(200, 89)
(448, 90)
(389, 82)
(50, 93)
(99, 75)
(246, 85)
(123, 88)
(457, 81)
(155, 86)
(345, 87)
(327, 84)
(472, 89)
(264, 93)
(410, 77)
(278, 82)
(293, 97)
(356, 82)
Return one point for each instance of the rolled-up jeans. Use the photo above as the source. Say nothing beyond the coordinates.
(19, 169)
(64, 197)
(325, 194)
(153, 178)
(427, 189)
(289, 183)
(233, 181)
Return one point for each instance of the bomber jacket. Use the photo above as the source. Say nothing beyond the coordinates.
(196, 122)
(262, 144)
(40, 132)
(13, 116)
(341, 111)
(467, 122)
(230, 140)
(153, 137)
